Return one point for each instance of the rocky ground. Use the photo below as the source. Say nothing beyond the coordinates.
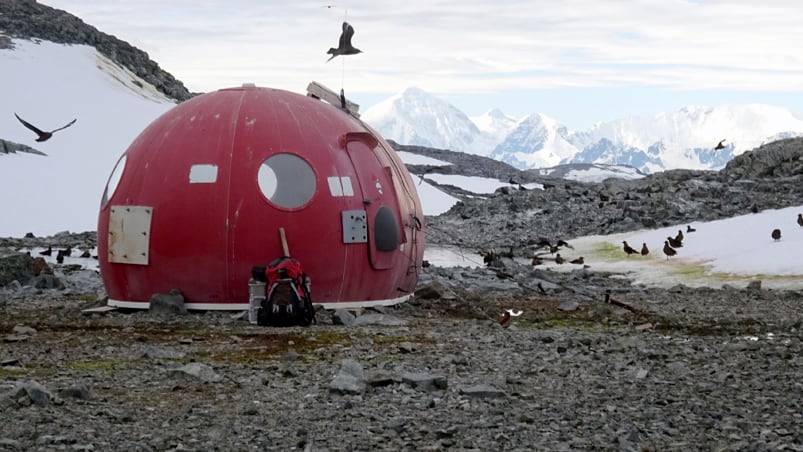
(679, 369)
(651, 369)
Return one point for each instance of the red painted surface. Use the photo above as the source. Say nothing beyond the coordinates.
(205, 237)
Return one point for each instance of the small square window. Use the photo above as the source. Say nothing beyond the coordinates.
(203, 174)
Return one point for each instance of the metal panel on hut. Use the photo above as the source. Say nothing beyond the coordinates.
(201, 195)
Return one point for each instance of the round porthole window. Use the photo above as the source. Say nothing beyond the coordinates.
(286, 180)
(114, 179)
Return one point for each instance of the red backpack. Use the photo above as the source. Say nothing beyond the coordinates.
(287, 296)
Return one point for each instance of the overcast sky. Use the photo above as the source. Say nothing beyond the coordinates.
(578, 61)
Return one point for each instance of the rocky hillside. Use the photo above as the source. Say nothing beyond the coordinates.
(28, 19)
(768, 177)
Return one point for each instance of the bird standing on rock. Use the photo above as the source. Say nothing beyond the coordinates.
(628, 249)
(47, 252)
(668, 250)
(578, 261)
(644, 250)
(776, 234)
(559, 259)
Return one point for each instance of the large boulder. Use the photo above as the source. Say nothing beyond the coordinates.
(15, 266)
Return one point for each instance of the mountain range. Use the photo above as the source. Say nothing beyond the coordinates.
(686, 138)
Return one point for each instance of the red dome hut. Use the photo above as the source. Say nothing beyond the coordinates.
(207, 190)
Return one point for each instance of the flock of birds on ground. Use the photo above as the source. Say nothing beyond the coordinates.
(61, 254)
(545, 250)
(671, 244)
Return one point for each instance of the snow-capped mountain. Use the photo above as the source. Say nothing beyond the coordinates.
(495, 123)
(682, 139)
(417, 118)
(48, 85)
(535, 141)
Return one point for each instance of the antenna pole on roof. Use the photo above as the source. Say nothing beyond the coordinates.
(343, 62)
(285, 248)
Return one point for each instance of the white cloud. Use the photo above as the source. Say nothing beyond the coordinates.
(467, 45)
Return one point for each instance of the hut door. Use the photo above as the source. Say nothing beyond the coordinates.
(379, 201)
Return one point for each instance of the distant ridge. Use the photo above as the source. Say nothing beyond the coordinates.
(27, 19)
(682, 139)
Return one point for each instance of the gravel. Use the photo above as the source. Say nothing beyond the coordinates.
(684, 368)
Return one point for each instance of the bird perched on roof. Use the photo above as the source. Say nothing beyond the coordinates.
(668, 250)
(719, 145)
(690, 229)
(42, 135)
(644, 250)
(344, 46)
(674, 242)
(628, 249)
(800, 219)
(578, 261)
(776, 234)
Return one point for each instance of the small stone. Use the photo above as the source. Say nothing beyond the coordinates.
(22, 329)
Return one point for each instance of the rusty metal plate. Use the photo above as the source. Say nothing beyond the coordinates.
(129, 234)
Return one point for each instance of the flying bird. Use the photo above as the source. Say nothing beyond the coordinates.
(776, 234)
(564, 243)
(42, 135)
(628, 249)
(644, 250)
(344, 47)
(668, 250)
(719, 145)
